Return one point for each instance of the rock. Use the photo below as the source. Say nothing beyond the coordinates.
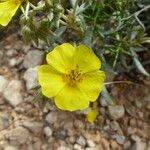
(12, 62)
(6, 120)
(148, 146)
(30, 76)
(63, 148)
(90, 143)
(10, 148)
(18, 136)
(103, 102)
(3, 83)
(139, 146)
(35, 127)
(114, 126)
(78, 124)
(116, 112)
(120, 139)
(83, 112)
(77, 147)
(127, 145)
(47, 131)
(72, 140)
(133, 122)
(102, 110)
(135, 138)
(33, 59)
(12, 93)
(90, 148)
(11, 52)
(105, 144)
(68, 125)
(131, 130)
(81, 141)
(114, 145)
(61, 135)
(51, 117)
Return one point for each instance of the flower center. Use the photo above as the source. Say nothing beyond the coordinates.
(73, 76)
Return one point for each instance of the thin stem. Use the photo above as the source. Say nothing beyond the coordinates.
(22, 9)
(117, 82)
(32, 6)
(62, 22)
(64, 17)
(116, 57)
(27, 10)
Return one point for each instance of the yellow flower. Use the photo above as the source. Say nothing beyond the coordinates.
(72, 77)
(8, 9)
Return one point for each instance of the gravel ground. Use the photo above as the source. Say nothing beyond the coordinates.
(26, 125)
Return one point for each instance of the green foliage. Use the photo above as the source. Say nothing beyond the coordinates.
(114, 29)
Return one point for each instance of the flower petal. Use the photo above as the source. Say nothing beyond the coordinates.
(71, 98)
(7, 11)
(92, 84)
(91, 116)
(61, 58)
(50, 80)
(86, 59)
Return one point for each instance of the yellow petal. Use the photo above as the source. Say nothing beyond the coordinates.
(86, 59)
(61, 58)
(92, 84)
(7, 11)
(91, 116)
(50, 80)
(71, 98)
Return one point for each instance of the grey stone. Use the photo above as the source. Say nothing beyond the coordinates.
(12, 62)
(116, 112)
(127, 145)
(114, 126)
(90, 148)
(103, 102)
(30, 76)
(61, 135)
(47, 131)
(3, 83)
(51, 117)
(148, 146)
(18, 136)
(12, 93)
(33, 59)
(81, 141)
(139, 146)
(90, 143)
(63, 148)
(10, 148)
(77, 147)
(120, 139)
(35, 127)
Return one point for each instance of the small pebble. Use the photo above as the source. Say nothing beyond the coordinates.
(47, 131)
(81, 141)
(116, 112)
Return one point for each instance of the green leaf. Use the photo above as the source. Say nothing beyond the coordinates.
(106, 95)
(87, 40)
(138, 64)
(81, 8)
(56, 34)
